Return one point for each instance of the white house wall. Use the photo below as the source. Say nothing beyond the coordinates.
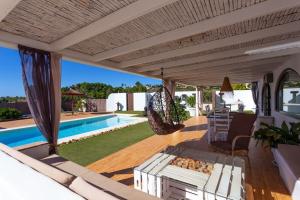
(293, 63)
(113, 99)
(244, 96)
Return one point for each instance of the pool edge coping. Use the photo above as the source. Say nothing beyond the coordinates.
(69, 120)
(84, 135)
(101, 131)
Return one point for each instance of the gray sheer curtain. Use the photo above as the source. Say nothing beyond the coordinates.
(41, 72)
(255, 95)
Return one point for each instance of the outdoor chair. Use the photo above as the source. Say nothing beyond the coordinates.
(239, 134)
(221, 124)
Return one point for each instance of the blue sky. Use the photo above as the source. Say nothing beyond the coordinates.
(11, 77)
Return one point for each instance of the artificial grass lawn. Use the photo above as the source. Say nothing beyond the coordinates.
(137, 113)
(89, 150)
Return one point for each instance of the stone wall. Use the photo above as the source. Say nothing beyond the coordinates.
(21, 106)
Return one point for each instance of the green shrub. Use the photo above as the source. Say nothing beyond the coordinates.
(191, 101)
(182, 113)
(248, 111)
(9, 113)
(271, 136)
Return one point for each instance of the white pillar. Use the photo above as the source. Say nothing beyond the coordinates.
(197, 102)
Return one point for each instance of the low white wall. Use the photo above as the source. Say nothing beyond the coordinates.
(139, 101)
(244, 96)
(113, 99)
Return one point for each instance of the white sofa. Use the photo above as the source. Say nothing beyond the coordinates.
(288, 160)
(26, 178)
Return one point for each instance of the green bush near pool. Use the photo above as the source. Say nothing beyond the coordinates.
(9, 113)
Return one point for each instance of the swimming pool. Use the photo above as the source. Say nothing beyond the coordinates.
(68, 130)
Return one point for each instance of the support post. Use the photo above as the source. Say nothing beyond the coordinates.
(199, 100)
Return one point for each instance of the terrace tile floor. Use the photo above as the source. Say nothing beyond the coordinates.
(262, 178)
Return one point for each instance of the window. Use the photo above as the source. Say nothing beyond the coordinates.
(266, 100)
(288, 93)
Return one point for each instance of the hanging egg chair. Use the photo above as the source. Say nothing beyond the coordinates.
(162, 112)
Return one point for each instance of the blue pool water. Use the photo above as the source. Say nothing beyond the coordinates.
(22, 136)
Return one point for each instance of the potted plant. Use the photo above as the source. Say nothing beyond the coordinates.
(271, 136)
(81, 105)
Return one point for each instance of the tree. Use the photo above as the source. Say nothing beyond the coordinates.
(241, 86)
(11, 99)
(138, 87)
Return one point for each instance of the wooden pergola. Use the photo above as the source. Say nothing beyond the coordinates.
(197, 42)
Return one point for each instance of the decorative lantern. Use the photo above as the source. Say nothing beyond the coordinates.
(226, 88)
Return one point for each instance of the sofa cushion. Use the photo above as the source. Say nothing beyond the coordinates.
(289, 167)
(88, 191)
(290, 153)
(21, 182)
(43, 168)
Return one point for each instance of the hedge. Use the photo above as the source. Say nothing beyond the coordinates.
(9, 113)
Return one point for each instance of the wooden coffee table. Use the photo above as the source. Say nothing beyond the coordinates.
(159, 178)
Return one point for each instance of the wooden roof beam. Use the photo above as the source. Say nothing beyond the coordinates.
(247, 37)
(246, 58)
(218, 78)
(230, 68)
(204, 82)
(12, 41)
(117, 18)
(254, 11)
(212, 56)
(6, 6)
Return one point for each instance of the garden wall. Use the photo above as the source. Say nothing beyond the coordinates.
(140, 100)
(96, 105)
(21, 106)
(113, 99)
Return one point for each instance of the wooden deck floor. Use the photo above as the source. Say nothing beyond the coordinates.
(262, 178)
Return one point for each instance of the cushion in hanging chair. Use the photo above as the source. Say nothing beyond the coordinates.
(159, 126)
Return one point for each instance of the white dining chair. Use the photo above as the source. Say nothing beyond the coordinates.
(221, 124)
